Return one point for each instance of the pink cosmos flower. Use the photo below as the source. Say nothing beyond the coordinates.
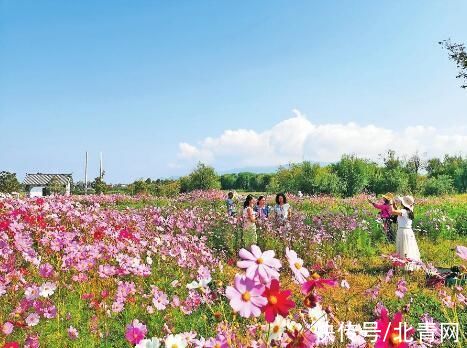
(401, 288)
(7, 328)
(373, 292)
(46, 270)
(461, 251)
(72, 333)
(32, 341)
(32, 319)
(219, 342)
(246, 296)
(296, 265)
(31, 292)
(389, 275)
(135, 332)
(259, 264)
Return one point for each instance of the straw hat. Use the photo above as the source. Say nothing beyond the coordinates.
(389, 196)
(408, 202)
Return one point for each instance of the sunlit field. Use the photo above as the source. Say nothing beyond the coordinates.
(121, 271)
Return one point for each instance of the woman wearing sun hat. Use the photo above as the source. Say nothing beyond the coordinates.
(406, 244)
(385, 208)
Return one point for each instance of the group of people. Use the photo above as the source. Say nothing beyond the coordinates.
(400, 211)
(254, 209)
(393, 210)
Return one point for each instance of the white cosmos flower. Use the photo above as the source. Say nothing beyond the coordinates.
(203, 283)
(276, 329)
(175, 341)
(319, 325)
(47, 289)
(149, 343)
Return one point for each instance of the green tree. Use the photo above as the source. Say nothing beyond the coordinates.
(460, 178)
(413, 166)
(55, 186)
(245, 181)
(441, 185)
(140, 186)
(8, 182)
(228, 181)
(354, 173)
(328, 182)
(202, 178)
(99, 185)
(458, 55)
(261, 182)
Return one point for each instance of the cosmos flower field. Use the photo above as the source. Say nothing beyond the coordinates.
(121, 271)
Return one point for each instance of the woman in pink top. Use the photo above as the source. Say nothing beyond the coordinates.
(385, 213)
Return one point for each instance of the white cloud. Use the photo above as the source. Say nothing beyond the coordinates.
(297, 138)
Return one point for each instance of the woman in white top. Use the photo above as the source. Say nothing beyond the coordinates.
(249, 222)
(406, 244)
(282, 208)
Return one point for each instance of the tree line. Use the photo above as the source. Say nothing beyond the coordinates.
(349, 176)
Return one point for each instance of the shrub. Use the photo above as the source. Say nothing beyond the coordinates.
(437, 186)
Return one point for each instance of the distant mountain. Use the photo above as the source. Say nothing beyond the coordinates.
(257, 170)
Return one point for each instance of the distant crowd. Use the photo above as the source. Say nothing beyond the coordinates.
(257, 208)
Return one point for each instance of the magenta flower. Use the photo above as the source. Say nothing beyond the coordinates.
(259, 264)
(296, 265)
(246, 297)
(461, 251)
(316, 282)
(135, 332)
(46, 270)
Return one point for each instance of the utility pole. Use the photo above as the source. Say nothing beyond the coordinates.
(86, 174)
(101, 169)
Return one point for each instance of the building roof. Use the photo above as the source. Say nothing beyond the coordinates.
(43, 179)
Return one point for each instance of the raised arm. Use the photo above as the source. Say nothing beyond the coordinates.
(251, 216)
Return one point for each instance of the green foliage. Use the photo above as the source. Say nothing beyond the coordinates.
(99, 185)
(441, 185)
(354, 173)
(8, 182)
(460, 178)
(202, 178)
(458, 55)
(55, 186)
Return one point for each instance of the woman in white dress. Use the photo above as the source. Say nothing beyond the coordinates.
(249, 222)
(282, 208)
(406, 244)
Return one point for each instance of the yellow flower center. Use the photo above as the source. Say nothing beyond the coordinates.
(246, 296)
(276, 329)
(315, 276)
(174, 346)
(272, 299)
(259, 261)
(297, 265)
(395, 339)
(217, 345)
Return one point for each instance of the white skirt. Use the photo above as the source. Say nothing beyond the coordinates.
(407, 247)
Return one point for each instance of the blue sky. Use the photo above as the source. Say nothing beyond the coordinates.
(156, 85)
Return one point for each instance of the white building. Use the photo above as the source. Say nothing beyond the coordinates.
(37, 185)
